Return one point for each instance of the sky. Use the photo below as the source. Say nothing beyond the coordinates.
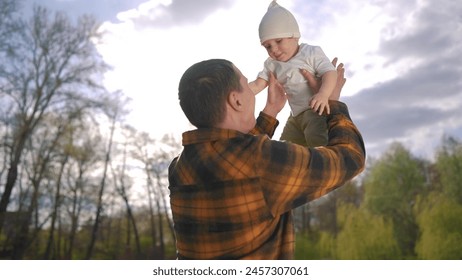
(403, 59)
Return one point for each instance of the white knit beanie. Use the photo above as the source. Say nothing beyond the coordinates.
(278, 22)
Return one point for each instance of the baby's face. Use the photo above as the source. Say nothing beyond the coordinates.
(281, 49)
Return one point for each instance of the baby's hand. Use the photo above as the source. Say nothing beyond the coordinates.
(319, 102)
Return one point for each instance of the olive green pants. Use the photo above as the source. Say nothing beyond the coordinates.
(307, 129)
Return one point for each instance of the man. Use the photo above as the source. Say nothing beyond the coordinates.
(232, 188)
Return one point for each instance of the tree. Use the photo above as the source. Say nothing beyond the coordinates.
(42, 155)
(115, 111)
(364, 235)
(449, 167)
(142, 152)
(155, 158)
(84, 159)
(391, 189)
(441, 228)
(8, 25)
(54, 63)
(122, 183)
(64, 151)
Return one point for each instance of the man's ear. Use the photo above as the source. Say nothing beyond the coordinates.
(234, 100)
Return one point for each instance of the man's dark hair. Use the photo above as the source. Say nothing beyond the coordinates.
(203, 91)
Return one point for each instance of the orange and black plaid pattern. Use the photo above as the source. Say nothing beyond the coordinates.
(231, 194)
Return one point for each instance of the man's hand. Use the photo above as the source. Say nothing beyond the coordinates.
(341, 80)
(315, 84)
(277, 97)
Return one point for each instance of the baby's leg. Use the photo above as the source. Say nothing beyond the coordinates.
(314, 129)
(292, 132)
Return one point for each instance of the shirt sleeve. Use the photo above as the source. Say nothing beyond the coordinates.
(292, 175)
(265, 125)
(320, 62)
(267, 67)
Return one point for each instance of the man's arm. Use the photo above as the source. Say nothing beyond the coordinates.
(275, 102)
(292, 175)
(266, 124)
(277, 97)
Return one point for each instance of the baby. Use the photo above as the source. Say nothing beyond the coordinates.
(279, 34)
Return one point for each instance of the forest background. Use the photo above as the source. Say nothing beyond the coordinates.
(78, 182)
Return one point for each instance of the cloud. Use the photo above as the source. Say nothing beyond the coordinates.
(435, 27)
(423, 103)
(103, 10)
(165, 14)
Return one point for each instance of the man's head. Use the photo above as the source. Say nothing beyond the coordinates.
(214, 91)
(278, 22)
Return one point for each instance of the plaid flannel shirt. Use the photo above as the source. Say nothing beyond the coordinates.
(231, 194)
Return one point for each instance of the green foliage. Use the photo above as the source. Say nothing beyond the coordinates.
(449, 167)
(326, 246)
(306, 248)
(411, 209)
(440, 224)
(364, 235)
(393, 182)
(391, 189)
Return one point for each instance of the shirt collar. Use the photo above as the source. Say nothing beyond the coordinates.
(202, 135)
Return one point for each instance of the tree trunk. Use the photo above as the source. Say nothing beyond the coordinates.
(99, 208)
(151, 207)
(161, 230)
(10, 181)
(165, 209)
(55, 210)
